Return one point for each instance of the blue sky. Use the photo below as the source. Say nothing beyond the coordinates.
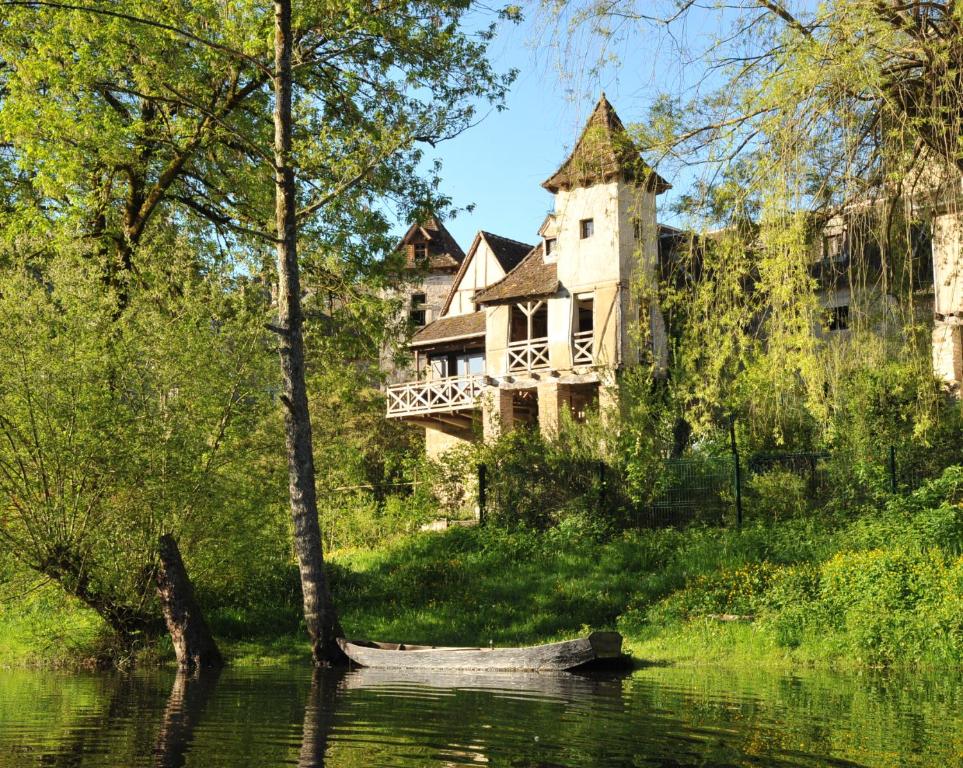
(499, 164)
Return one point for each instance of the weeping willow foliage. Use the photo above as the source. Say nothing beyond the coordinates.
(830, 138)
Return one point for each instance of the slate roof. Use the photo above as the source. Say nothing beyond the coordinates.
(449, 328)
(604, 152)
(444, 241)
(508, 252)
(532, 277)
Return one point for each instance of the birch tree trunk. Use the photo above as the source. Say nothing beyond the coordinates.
(319, 612)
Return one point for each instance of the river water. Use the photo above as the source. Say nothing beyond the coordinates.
(652, 717)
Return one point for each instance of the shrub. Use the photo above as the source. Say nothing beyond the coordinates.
(777, 494)
(895, 606)
(731, 591)
(789, 604)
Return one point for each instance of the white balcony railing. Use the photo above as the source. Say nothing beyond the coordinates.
(583, 348)
(455, 393)
(527, 355)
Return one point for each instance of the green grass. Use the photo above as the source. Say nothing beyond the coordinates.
(881, 589)
(40, 626)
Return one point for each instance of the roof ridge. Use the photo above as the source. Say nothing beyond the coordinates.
(485, 232)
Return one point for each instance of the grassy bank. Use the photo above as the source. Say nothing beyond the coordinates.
(883, 588)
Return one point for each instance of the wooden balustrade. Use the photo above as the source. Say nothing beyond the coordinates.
(455, 393)
(583, 348)
(527, 355)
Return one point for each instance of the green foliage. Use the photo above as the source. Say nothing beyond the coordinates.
(116, 430)
(735, 592)
(536, 482)
(884, 589)
(776, 494)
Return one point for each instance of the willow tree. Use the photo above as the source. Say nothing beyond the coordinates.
(260, 131)
(804, 118)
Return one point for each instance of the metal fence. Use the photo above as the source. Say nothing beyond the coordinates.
(707, 489)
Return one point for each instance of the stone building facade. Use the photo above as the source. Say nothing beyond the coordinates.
(948, 293)
(528, 330)
(431, 259)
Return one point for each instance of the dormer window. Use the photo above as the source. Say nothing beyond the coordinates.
(586, 228)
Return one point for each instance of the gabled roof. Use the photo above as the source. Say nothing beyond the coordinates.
(604, 152)
(531, 278)
(450, 329)
(508, 253)
(443, 250)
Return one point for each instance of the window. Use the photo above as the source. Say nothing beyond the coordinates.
(637, 227)
(835, 247)
(586, 228)
(421, 253)
(529, 321)
(437, 366)
(471, 363)
(417, 311)
(839, 318)
(549, 245)
(441, 365)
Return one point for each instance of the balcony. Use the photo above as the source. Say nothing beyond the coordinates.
(527, 355)
(583, 348)
(435, 396)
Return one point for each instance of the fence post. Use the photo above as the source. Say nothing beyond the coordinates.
(737, 471)
(482, 492)
(602, 489)
(892, 468)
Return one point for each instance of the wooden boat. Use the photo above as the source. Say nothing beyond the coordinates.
(557, 657)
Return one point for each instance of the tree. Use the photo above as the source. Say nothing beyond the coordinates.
(168, 112)
(114, 431)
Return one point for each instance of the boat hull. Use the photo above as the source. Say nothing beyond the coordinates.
(557, 657)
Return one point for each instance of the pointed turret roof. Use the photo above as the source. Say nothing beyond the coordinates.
(604, 152)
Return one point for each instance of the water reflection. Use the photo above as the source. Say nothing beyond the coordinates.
(656, 717)
(185, 706)
(319, 713)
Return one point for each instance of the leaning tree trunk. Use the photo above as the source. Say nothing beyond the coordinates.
(319, 611)
(193, 644)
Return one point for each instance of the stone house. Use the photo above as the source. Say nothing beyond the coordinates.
(526, 331)
(530, 329)
(858, 275)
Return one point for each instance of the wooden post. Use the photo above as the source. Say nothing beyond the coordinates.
(482, 492)
(194, 645)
